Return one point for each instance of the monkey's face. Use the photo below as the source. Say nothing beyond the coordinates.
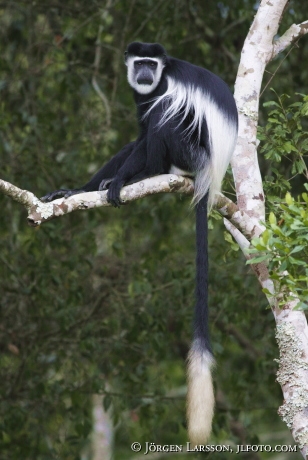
(144, 73)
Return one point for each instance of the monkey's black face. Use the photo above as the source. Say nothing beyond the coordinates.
(144, 73)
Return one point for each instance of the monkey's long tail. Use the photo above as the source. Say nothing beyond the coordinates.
(200, 395)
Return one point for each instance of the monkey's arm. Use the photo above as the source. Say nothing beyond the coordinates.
(100, 180)
(132, 166)
(149, 158)
(156, 161)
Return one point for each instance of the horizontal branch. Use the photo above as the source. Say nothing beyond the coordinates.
(39, 212)
(289, 37)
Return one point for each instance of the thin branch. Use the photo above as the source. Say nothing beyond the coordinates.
(148, 18)
(97, 59)
(278, 67)
(290, 36)
(238, 236)
(238, 218)
(76, 29)
(243, 341)
(17, 194)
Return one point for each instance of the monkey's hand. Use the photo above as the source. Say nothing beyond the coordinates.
(66, 193)
(113, 195)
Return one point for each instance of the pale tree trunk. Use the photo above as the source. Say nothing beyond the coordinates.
(102, 434)
(291, 326)
(243, 220)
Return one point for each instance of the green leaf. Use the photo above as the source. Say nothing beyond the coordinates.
(294, 261)
(298, 248)
(266, 236)
(289, 198)
(267, 292)
(305, 196)
(272, 218)
(301, 306)
(257, 260)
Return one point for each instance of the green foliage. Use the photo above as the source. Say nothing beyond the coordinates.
(284, 246)
(284, 141)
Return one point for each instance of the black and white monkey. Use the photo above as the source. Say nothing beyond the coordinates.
(187, 125)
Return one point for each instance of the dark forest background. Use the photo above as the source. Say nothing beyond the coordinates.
(101, 302)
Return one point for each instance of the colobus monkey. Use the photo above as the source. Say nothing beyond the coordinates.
(187, 124)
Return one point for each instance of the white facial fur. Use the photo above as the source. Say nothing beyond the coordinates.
(131, 76)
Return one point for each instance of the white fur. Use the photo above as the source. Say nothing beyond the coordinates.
(131, 76)
(179, 172)
(200, 395)
(222, 133)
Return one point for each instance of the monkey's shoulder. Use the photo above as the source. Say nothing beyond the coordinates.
(194, 75)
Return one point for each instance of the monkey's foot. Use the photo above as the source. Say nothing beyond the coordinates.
(66, 193)
(105, 184)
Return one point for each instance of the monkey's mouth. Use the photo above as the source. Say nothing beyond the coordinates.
(144, 81)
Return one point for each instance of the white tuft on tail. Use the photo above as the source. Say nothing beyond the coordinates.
(200, 395)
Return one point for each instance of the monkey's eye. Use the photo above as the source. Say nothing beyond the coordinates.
(139, 63)
(152, 64)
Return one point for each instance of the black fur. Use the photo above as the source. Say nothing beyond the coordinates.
(201, 322)
(145, 50)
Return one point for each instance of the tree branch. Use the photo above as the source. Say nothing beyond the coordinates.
(17, 194)
(39, 212)
(97, 59)
(238, 218)
(289, 37)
